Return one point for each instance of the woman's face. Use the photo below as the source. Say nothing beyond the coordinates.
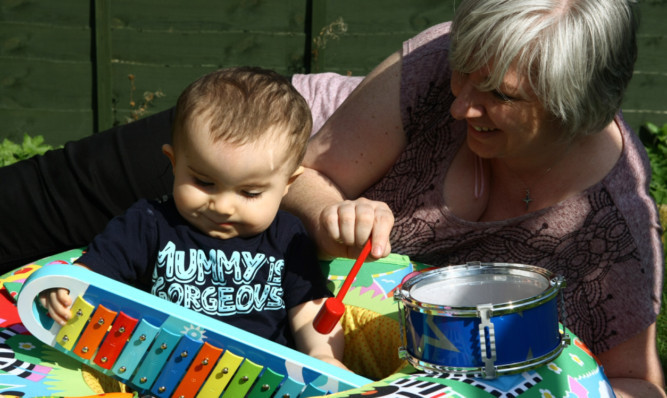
(508, 123)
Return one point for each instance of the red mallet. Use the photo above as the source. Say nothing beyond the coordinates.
(333, 307)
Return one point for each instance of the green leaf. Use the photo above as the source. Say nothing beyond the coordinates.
(11, 152)
(654, 139)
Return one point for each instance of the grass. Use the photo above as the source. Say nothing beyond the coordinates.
(654, 139)
(662, 318)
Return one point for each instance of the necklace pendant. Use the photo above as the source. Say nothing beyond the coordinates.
(527, 199)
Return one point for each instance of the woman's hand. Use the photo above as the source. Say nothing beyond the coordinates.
(633, 367)
(351, 223)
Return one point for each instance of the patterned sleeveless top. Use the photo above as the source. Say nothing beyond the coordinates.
(604, 241)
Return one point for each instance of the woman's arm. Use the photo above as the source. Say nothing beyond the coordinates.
(363, 138)
(65, 197)
(633, 367)
(354, 149)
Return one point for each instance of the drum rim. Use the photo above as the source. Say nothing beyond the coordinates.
(554, 281)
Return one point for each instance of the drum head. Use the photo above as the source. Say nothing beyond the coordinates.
(459, 289)
(475, 289)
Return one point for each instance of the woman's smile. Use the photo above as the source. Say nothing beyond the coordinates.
(480, 128)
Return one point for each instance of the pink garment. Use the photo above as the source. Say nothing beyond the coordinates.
(324, 93)
(604, 241)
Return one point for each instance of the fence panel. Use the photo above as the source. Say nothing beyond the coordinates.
(67, 64)
(165, 45)
(46, 85)
(646, 99)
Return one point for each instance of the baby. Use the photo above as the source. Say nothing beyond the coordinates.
(220, 245)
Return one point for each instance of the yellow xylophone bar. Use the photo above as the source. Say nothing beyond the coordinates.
(163, 349)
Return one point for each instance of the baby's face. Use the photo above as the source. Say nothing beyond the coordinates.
(229, 190)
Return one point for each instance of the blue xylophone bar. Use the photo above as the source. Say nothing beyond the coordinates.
(166, 350)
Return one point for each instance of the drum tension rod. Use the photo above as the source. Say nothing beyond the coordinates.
(487, 348)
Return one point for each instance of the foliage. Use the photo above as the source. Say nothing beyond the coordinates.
(333, 31)
(661, 325)
(11, 152)
(148, 99)
(654, 139)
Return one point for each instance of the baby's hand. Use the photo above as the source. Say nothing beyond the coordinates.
(352, 222)
(57, 301)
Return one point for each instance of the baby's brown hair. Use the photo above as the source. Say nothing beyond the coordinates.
(242, 104)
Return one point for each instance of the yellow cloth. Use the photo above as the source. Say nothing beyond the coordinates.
(371, 343)
(101, 383)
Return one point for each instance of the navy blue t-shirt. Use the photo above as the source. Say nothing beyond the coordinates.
(246, 282)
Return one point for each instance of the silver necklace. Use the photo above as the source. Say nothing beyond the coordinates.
(527, 199)
(479, 179)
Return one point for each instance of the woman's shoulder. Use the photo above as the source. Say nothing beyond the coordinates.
(427, 52)
(609, 163)
(628, 181)
(425, 90)
(631, 171)
(634, 154)
(430, 39)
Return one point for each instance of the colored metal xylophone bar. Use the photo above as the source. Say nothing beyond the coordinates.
(163, 349)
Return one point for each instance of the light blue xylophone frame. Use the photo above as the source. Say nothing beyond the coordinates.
(99, 290)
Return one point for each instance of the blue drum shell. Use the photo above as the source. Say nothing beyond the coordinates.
(442, 310)
(454, 341)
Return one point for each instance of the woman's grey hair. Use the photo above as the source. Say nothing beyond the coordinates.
(577, 54)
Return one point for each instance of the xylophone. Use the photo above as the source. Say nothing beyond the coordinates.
(165, 350)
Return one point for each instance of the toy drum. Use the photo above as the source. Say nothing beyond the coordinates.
(481, 319)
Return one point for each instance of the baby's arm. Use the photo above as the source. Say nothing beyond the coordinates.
(57, 301)
(326, 347)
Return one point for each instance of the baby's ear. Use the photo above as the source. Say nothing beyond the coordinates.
(292, 178)
(169, 151)
(299, 170)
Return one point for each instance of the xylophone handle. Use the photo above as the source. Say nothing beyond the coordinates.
(37, 322)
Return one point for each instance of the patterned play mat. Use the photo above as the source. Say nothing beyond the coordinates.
(31, 368)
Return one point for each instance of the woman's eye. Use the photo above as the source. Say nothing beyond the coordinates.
(501, 96)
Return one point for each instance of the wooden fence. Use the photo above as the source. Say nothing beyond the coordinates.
(72, 67)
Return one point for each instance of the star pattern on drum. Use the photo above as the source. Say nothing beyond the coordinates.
(441, 341)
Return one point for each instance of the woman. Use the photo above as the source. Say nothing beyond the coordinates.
(499, 139)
